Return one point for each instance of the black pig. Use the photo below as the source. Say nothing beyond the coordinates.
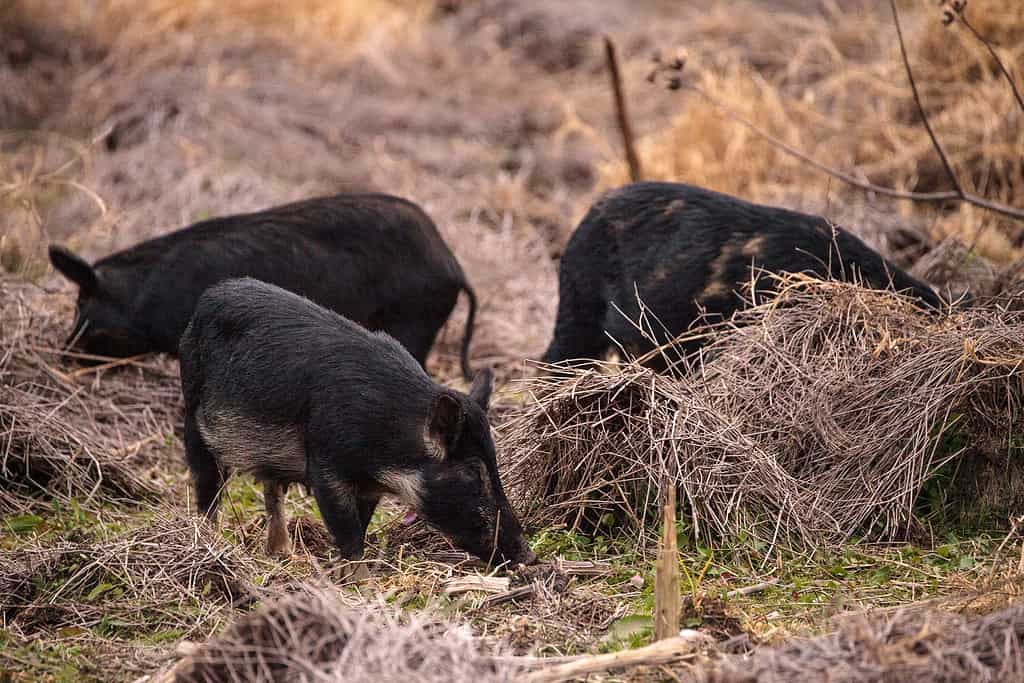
(291, 392)
(686, 251)
(376, 259)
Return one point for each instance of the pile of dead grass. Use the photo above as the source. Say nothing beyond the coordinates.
(173, 576)
(812, 417)
(841, 95)
(64, 433)
(911, 646)
(313, 635)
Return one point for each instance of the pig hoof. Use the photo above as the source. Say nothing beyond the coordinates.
(279, 547)
(353, 572)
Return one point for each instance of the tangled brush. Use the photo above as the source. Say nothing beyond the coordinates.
(312, 635)
(175, 573)
(911, 646)
(809, 418)
(63, 434)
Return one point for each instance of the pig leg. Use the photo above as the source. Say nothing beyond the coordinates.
(277, 528)
(206, 472)
(367, 504)
(579, 324)
(339, 506)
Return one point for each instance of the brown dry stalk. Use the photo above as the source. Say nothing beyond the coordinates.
(621, 112)
(666, 573)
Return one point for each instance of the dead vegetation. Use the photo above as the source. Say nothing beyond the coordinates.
(312, 634)
(74, 433)
(910, 646)
(171, 578)
(813, 417)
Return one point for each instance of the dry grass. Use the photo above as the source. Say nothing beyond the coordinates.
(172, 577)
(64, 433)
(313, 635)
(313, 26)
(910, 646)
(813, 417)
(841, 95)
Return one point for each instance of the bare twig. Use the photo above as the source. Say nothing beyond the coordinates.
(946, 196)
(958, 12)
(920, 106)
(621, 113)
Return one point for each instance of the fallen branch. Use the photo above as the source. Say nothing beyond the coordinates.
(751, 590)
(511, 596)
(483, 584)
(660, 652)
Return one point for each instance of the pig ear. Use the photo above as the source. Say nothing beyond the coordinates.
(446, 420)
(483, 385)
(73, 267)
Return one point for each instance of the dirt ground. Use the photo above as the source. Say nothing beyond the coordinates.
(119, 123)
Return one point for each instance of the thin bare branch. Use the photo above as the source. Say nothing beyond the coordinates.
(939, 197)
(920, 107)
(621, 113)
(991, 50)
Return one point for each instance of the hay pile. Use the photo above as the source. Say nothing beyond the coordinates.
(813, 417)
(912, 646)
(173, 575)
(64, 433)
(312, 635)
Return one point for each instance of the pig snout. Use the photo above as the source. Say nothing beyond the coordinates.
(512, 545)
(528, 557)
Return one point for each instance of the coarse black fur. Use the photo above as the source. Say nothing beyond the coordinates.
(377, 259)
(294, 393)
(686, 251)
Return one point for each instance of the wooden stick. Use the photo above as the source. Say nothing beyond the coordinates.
(484, 584)
(666, 571)
(514, 594)
(751, 590)
(660, 652)
(635, 172)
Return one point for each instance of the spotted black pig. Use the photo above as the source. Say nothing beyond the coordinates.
(687, 251)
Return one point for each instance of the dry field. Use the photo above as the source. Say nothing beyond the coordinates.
(855, 461)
